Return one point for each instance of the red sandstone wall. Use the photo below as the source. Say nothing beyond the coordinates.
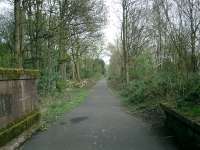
(21, 99)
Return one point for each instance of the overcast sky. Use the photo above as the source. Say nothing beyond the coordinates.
(112, 29)
(4, 6)
(113, 15)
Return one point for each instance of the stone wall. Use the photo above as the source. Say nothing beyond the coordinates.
(18, 94)
(186, 131)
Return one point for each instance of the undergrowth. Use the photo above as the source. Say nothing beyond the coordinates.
(54, 107)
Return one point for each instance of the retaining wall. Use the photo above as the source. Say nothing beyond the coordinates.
(18, 94)
(186, 131)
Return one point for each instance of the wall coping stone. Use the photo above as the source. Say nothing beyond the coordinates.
(18, 74)
(185, 120)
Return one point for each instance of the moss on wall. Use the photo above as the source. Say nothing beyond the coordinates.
(15, 129)
(186, 131)
(15, 73)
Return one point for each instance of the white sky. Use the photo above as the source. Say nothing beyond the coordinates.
(4, 6)
(111, 30)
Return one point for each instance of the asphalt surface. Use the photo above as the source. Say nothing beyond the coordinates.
(98, 124)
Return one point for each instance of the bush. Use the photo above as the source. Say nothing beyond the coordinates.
(136, 91)
(166, 81)
(193, 96)
(190, 91)
(184, 88)
(61, 85)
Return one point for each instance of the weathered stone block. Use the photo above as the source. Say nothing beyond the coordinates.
(187, 132)
(18, 94)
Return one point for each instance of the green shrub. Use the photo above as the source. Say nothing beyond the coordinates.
(61, 85)
(184, 88)
(190, 91)
(165, 81)
(193, 96)
(47, 82)
(136, 91)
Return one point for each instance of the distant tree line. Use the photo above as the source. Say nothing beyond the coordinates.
(61, 38)
(157, 53)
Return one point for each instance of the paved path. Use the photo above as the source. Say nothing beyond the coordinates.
(98, 124)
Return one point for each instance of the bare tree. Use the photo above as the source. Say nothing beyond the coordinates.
(18, 32)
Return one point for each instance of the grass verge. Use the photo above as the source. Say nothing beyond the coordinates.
(53, 107)
(150, 109)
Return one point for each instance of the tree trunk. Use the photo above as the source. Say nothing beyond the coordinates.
(192, 36)
(63, 71)
(22, 27)
(193, 57)
(62, 66)
(17, 9)
(124, 42)
(76, 67)
(73, 72)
